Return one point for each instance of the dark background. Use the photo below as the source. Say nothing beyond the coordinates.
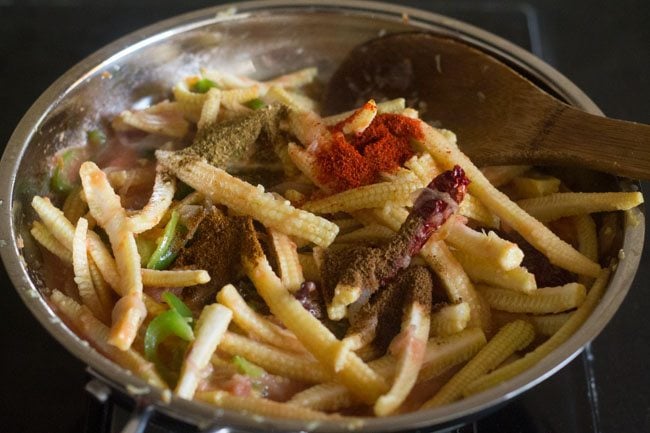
(603, 46)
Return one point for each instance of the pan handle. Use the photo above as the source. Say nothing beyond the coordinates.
(139, 418)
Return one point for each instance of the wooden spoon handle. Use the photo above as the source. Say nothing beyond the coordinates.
(614, 146)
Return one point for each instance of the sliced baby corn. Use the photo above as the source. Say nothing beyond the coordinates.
(49, 242)
(174, 278)
(210, 328)
(457, 284)
(246, 199)
(287, 259)
(355, 374)
(424, 167)
(507, 255)
(360, 119)
(473, 209)
(255, 324)
(97, 334)
(188, 102)
(373, 232)
(261, 406)
(450, 319)
(74, 207)
(163, 192)
(542, 301)
(511, 338)
(481, 270)
(275, 361)
(558, 252)
(564, 204)
(441, 354)
(531, 358)
(549, 324)
(82, 273)
(530, 187)
(499, 175)
(310, 269)
(104, 204)
(365, 197)
(415, 328)
(210, 109)
(391, 106)
(165, 118)
(293, 100)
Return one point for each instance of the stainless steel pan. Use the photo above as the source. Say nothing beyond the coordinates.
(261, 39)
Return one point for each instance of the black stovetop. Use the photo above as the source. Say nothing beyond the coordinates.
(602, 46)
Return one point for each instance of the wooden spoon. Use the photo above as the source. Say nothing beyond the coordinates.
(499, 116)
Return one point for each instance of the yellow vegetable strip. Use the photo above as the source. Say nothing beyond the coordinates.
(255, 324)
(73, 206)
(446, 352)
(360, 119)
(294, 79)
(49, 242)
(450, 319)
(287, 259)
(373, 232)
(356, 375)
(161, 197)
(473, 209)
(558, 252)
(210, 109)
(82, 273)
(261, 406)
(424, 167)
(189, 103)
(164, 118)
(233, 99)
(365, 197)
(304, 161)
(481, 270)
(103, 290)
(246, 199)
(391, 106)
(441, 354)
(457, 284)
(549, 324)
(507, 255)
(104, 204)
(587, 238)
(309, 267)
(275, 361)
(529, 187)
(175, 278)
(564, 204)
(293, 100)
(542, 301)
(415, 326)
(97, 334)
(511, 338)
(210, 328)
(531, 358)
(499, 175)
(52, 218)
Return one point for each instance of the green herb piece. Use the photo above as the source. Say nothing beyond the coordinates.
(171, 322)
(203, 85)
(96, 138)
(247, 368)
(174, 302)
(64, 176)
(255, 104)
(163, 256)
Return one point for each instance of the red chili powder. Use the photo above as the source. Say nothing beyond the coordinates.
(350, 162)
